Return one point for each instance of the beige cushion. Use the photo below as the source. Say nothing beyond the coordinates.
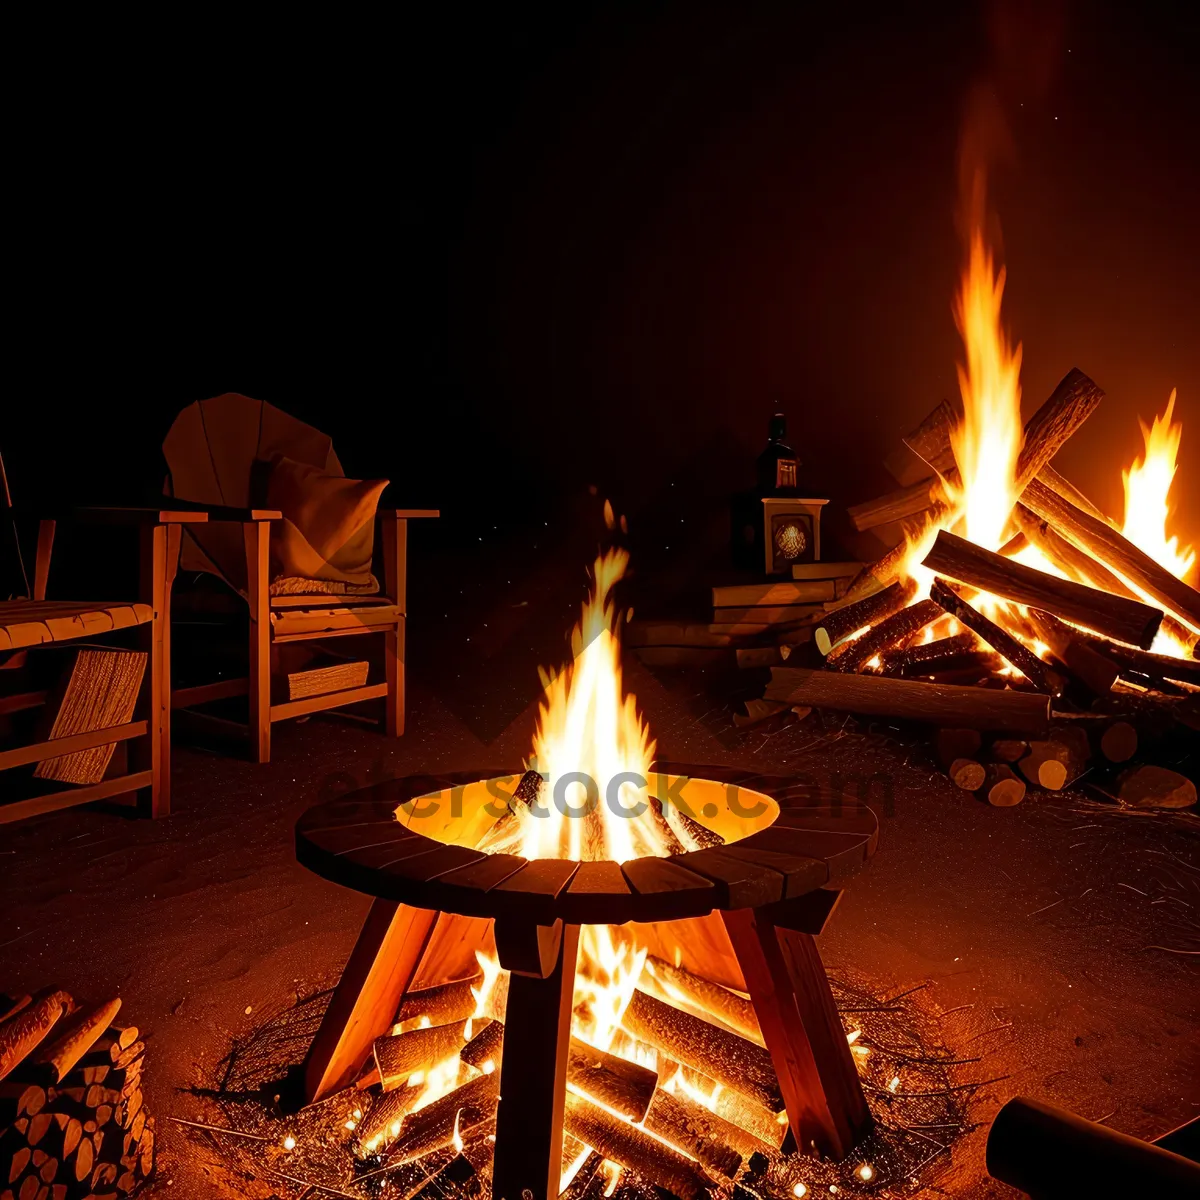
(328, 526)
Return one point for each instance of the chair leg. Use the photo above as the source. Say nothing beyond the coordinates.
(256, 535)
(160, 561)
(394, 658)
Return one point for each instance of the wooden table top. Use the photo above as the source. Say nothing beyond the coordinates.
(817, 841)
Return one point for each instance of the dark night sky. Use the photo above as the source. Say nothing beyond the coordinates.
(502, 257)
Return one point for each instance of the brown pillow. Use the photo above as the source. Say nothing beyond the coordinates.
(328, 526)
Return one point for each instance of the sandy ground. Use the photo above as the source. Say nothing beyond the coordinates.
(1043, 919)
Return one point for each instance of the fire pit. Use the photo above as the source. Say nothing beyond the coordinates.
(735, 917)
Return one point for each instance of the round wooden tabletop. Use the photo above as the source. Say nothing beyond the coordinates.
(817, 840)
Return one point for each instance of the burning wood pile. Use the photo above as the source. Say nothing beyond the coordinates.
(1011, 605)
(72, 1124)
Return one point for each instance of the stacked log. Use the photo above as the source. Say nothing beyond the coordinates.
(72, 1121)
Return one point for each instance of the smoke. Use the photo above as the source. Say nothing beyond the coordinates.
(1024, 49)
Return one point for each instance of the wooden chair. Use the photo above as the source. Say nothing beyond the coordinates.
(31, 625)
(212, 450)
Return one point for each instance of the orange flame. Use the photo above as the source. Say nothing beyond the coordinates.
(988, 440)
(1147, 495)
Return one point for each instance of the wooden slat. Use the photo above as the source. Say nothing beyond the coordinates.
(596, 884)
(667, 891)
(843, 853)
(487, 873)
(20, 701)
(324, 599)
(540, 877)
(69, 745)
(206, 693)
(287, 624)
(739, 883)
(19, 810)
(33, 623)
(801, 874)
(434, 862)
(297, 708)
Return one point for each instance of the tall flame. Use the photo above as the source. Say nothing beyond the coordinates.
(987, 442)
(587, 726)
(1147, 495)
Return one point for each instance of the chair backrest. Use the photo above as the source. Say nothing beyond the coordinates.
(211, 449)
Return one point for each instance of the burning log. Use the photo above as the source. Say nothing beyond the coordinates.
(1043, 677)
(928, 656)
(1071, 403)
(726, 1057)
(486, 1046)
(458, 1178)
(1115, 616)
(636, 1149)
(1002, 787)
(1105, 543)
(615, 1082)
(442, 1004)
(727, 1007)
(756, 711)
(530, 788)
(432, 1128)
(1077, 564)
(907, 699)
(401, 1055)
(579, 1184)
(677, 1109)
(624, 1086)
(383, 1121)
(895, 506)
(1157, 667)
(853, 656)
(1096, 672)
(698, 1132)
(842, 622)
(1057, 762)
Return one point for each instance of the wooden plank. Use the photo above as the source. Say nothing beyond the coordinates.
(41, 569)
(666, 891)
(487, 873)
(297, 708)
(55, 747)
(320, 634)
(408, 513)
(394, 652)
(739, 883)
(826, 570)
(286, 624)
(843, 854)
(540, 877)
(324, 599)
(320, 681)
(533, 1078)
(800, 873)
(802, 591)
(824, 1100)
(18, 810)
(598, 884)
(380, 970)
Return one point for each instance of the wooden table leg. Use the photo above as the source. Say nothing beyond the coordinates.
(801, 1027)
(533, 1073)
(381, 967)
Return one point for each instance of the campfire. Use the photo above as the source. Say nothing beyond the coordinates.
(618, 973)
(1011, 605)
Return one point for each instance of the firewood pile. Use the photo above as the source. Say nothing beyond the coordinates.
(72, 1122)
(631, 1129)
(1067, 651)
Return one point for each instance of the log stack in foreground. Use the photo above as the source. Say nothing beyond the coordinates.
(72, 1121)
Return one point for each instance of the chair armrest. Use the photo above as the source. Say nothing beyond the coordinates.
(404, 514)
(224, 512)
(88, 515)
